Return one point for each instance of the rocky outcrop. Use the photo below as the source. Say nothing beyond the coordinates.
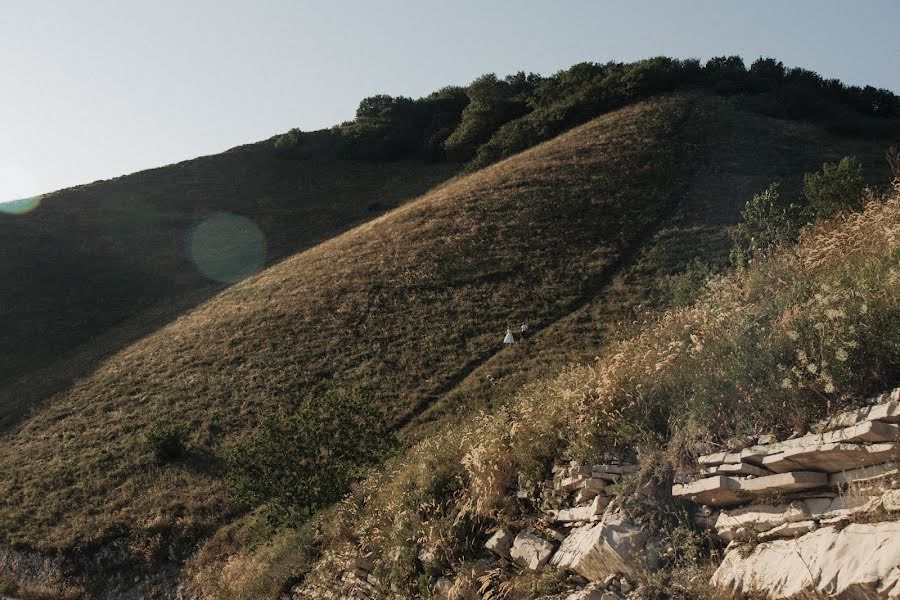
(611, 546)
(798, 503)
(859, 561)
(815, 514)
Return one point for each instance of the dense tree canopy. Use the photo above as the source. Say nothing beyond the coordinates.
(495, 117)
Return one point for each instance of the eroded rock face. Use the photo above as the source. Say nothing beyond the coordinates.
(859, 561)
(613, 545)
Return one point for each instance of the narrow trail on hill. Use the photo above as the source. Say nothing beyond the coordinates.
(592, 287)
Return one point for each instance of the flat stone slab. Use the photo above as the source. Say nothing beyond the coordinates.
(864, 475)
(886, 407)
(830, 457)
(743, 523)
(718, 490)
(869, 431)
(784, 482)
(729, 491)
(885, 410)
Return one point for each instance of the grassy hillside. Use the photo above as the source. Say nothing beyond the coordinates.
(97, 266)
(800, 335)
(407, 310)
(740, 154)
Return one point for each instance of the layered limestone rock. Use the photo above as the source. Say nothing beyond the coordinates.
(729, 491)
(858, 561)
(811, 542)
(611, 546)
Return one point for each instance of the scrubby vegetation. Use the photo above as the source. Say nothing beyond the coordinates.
(298, 463)
(493, 117)
(837, 187)
(166, 442)
(808, 330)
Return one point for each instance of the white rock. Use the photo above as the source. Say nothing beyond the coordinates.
(788, 530)
(890, 501)
(858, 561)
(611, 546)
(865, 474)
(740, 468)
(586, 594)
(729, 491)
(739, 524)
(531, 551)
(830, 457)
(573, 482)
(582, 513)
(888, 412)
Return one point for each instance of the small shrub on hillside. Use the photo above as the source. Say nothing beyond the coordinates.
(166, 443)
(765, 225)
(838, 186)
(287, 142)
(691, 282)
(298, 463)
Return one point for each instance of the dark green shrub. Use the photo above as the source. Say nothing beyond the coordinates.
(765, 224)
(838, 186)
(301, 462)
(286, 143)
(691, 282)
(492, 102)
(166, 443)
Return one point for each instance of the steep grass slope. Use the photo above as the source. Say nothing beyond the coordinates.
(740, 154)
(400, 308)
(803, 334)
(97, 266)
(568, 236)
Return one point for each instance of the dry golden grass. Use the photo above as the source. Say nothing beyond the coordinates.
(573, 236)
(99, 266)
(399, 308)
(681, 368)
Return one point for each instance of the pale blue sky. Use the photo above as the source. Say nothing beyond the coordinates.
(92, 89)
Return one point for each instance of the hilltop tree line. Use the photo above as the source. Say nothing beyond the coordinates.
(493, 117)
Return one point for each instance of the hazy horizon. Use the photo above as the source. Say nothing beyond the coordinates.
(97, 90)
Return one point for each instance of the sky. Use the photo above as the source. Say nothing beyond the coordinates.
(93, 89)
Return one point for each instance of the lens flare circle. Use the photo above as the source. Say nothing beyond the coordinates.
(226, 247)
(21, 206)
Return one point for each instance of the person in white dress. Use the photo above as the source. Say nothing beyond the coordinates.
(509, 339)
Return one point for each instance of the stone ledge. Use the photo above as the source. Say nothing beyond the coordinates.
(728, 491)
